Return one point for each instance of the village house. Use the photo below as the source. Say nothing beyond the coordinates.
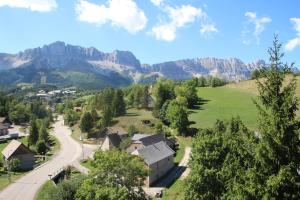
(143, 140)
(3, 130)
(3, 126)
(17, 150)
(159, 158)
(111, 141)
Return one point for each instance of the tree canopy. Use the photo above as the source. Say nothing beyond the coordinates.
(117, 175)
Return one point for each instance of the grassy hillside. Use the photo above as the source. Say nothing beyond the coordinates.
(231, 100)
(251, 87)
(223, 103)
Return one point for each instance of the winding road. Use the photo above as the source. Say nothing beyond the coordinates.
(70, 153)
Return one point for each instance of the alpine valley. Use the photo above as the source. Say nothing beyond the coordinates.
(62, 64)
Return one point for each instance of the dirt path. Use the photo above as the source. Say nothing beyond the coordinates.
(184, 162)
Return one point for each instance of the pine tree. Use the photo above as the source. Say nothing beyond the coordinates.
(279, 150)
(33, 132)
(43, 133)
(107, 116)
(119, 103)
(86, 122)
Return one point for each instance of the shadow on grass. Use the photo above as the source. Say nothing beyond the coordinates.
(198, 105)
(131, 115)
(168, 179)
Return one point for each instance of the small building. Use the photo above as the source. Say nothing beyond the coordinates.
(3, 120)
(17, 150)
(110, 142)
(159, 158)
(143, 140)
(3, 129)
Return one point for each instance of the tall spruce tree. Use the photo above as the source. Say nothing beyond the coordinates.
(278, 152)
(119, 103)
(33, 132)
(43, 133)
(86, 122)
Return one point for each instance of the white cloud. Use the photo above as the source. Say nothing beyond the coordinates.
(33, 5)
(179, 17)
(293, 43)
(208, 29)
(119, 13)
(157, 2)
(259, 27)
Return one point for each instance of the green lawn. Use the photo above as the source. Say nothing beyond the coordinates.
(175, 192)
(223, 103)
(135, 117)
(87, 164)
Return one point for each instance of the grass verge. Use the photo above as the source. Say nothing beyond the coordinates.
(42, 193)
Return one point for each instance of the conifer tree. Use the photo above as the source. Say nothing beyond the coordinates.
(43, 133)
(86, 122)
(33, 132)
(278, 152)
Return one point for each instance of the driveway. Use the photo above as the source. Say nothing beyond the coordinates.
(70, 153)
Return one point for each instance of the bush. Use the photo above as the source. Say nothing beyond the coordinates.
(125, 143)
(14, 164)
(132, 130)
(41, 147)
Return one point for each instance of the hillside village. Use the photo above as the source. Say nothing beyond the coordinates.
(131, 128)
(209, 112)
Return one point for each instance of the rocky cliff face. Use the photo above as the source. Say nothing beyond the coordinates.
(61, 56)
(230, 69)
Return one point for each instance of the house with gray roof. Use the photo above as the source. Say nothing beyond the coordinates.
(143, 140)
(159, 158)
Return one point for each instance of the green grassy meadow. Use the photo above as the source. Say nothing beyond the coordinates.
(135, 117)
(223, 103)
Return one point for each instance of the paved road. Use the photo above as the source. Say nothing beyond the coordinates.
(70, 153)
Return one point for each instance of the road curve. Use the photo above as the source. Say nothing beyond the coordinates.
(70, 152)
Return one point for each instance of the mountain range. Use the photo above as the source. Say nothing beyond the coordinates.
(67, 65)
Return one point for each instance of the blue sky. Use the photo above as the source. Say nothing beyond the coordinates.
(155, 30)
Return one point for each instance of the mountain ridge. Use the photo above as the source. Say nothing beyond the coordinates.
(59, 56)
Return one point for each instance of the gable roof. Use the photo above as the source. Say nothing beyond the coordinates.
(115, 139)
(154, 153)
(2, 119)
(12, 147)
(152, 139)
(139, 136)
(115, 129)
